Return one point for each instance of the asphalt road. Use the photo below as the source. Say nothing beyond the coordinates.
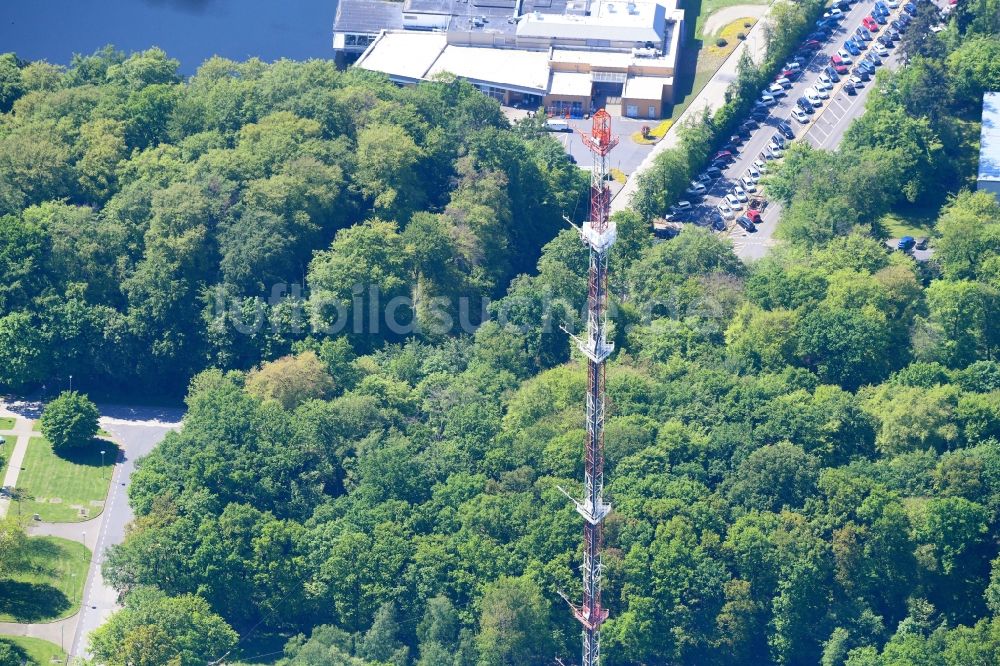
(825, 129)
(138, 431)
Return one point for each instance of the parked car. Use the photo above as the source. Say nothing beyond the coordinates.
(773, 149)
(832, 73)
(835, 12)
(873, 58)
(910, 9)
(800, 115)
(726, 211)
(734, 201)
(745, 223)
(713, 172)
(812, 97)
(780, 140)
(805, 105)
(894, 34)
(845, 57)
(881, 50)
(741, 194)
(753, 173)
(852, 48)
(850, 89)
(697, 189)
(823, 83)
(786, 129)
(863, 33)
(922, 243)
(784, 82)
(760, 113)
(760, 165)
(881, 19)
(870, 23)
(754, 215)
(898, 26)
(747, 184)
(723, 155)
(861, 74)
(680, 206)
(840, 68)
(906, 243)
(776, 91)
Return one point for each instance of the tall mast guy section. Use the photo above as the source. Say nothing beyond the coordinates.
(599, 234)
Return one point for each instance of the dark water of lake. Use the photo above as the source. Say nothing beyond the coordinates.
(188, 30)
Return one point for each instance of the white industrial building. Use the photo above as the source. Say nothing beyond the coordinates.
(569, 56)
(989, 145)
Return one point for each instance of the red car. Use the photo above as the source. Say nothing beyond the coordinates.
(838, 64)
(870, 23)
(811, 45)
(754, 216)
(723, 155)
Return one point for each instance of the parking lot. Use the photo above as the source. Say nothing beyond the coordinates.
(823, 129)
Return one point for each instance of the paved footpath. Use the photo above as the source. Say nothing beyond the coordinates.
(137, 431)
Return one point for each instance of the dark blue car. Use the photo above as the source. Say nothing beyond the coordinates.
(906, 243)
(852, 48)
(910, 8)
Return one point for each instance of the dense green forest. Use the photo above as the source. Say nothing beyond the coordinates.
(803, 454)
(152, 227)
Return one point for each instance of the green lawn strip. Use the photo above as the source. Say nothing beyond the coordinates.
(48, 585)
(700, 59)
(39, 651)
(6, 422)
(59, 487)
(709, 7)
(901, 223)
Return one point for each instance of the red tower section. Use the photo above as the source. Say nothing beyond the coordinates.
(599, 234)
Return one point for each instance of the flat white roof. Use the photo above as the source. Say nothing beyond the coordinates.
(407, 55)
(612, 20)
(645, 87)
(989, 142)
(600, 58)
(526, 70)
(576, 84)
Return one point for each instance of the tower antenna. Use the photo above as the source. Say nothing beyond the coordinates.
(599, 234)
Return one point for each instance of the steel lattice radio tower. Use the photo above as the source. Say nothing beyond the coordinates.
(599, 234)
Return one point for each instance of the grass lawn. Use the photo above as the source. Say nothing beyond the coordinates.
(700, 58)
(48, 585)
(6, 422)
(903, 222)
(66, 489)
(39, 652)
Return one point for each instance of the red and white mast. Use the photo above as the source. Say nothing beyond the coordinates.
(599, 234)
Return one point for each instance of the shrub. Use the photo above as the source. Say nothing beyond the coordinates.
(11, 654)
(720, 42)
(70, 421)
(741, 36)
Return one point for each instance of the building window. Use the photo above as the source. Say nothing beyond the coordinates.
(632, 111)
(652, 111)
